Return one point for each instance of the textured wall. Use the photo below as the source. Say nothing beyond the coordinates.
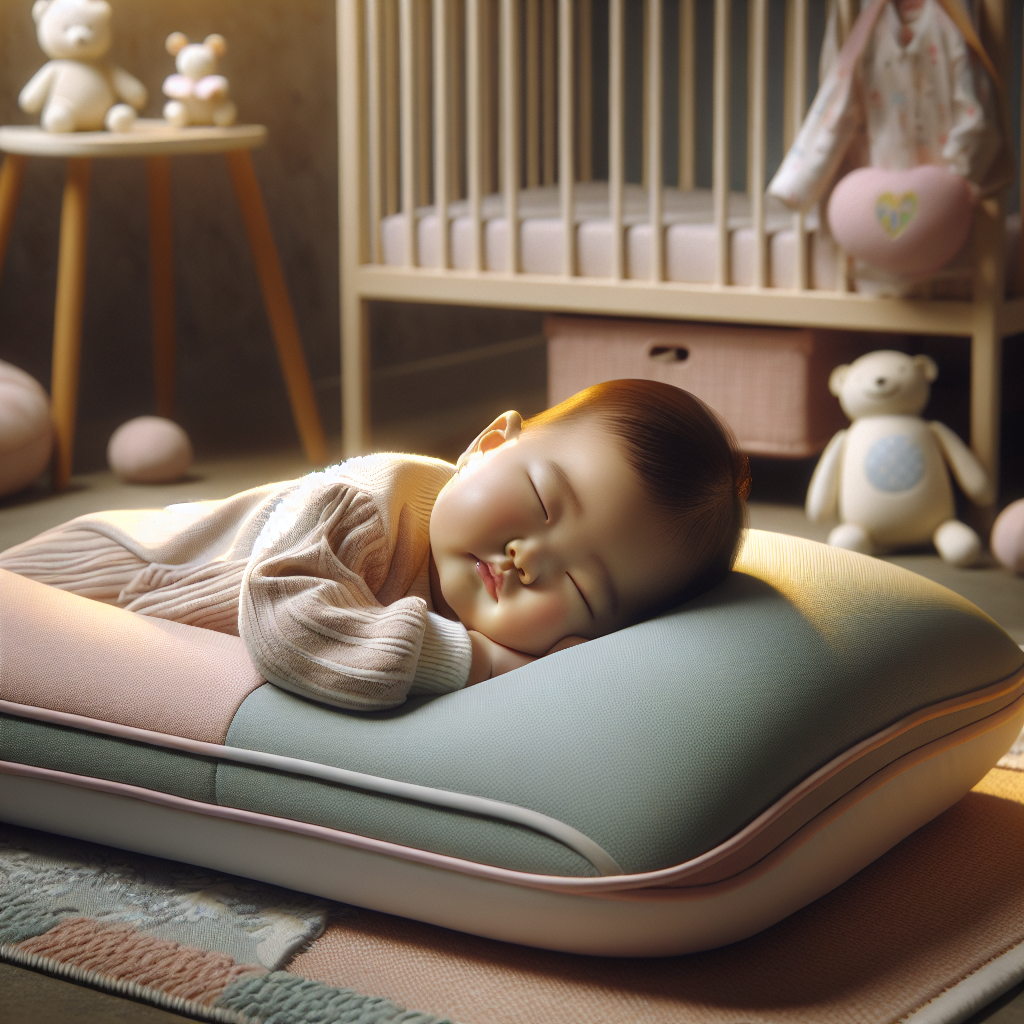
(280, 63)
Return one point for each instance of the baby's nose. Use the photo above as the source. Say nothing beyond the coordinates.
(524, 557)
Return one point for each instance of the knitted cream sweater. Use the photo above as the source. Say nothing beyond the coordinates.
(325, 578)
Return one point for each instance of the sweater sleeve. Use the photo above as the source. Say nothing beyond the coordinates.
(312, 623)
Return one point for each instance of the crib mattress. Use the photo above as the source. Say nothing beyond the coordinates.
(691, 239)
(672, 787)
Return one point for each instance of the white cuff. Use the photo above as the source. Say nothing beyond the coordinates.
(445, 657)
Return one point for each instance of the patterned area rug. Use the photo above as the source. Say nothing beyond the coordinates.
(928, 934)
(183, 938)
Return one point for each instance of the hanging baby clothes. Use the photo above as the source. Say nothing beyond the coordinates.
(896, 107)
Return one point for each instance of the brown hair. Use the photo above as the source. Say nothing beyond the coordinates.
(687, 460)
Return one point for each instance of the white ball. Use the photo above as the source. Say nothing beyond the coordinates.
(1007, 540)
(26, 431)
(149, 450)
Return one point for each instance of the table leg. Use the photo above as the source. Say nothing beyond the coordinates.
(161, 278)
(278, 306)
(67, 317)
(12, 174)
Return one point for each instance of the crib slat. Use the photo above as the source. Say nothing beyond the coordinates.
(757, 117)
(456, 142)
(489, 101)
(440, 38)
(585, 90)
(566, 132)
(847, 14)
(421, 63)
(510, 128)
(796, 71)
(389, 87)
(407, 88)
(720, 155)
(549, 89)
(654, 139)
(616, 78)
(373, 112)
(533, 137)
(687, 96)
(474, 141)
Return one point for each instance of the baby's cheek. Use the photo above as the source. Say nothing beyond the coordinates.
(538, 622)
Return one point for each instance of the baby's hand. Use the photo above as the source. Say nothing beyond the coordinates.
(492, 659)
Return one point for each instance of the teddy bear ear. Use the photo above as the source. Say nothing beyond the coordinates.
(836, 379)
(217, 44)
(175, 43)
(927, 366)
(39, 9)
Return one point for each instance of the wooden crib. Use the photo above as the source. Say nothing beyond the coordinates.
(459, 118)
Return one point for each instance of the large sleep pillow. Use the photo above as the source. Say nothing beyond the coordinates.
(657, 742)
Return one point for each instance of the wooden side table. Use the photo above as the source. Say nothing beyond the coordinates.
(157, 142)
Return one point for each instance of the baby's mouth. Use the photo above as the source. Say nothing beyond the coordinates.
(491, 577)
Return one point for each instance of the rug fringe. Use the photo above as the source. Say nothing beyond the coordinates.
(120, 987)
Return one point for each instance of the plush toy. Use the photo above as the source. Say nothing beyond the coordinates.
(1007, 539)
(197, 94)
(886, 474)
(149, 450)
(26, 431)
(78, 90)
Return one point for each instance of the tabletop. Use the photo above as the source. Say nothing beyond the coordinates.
(148, 137)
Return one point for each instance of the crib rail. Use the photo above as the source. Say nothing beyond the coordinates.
(469, 98)
(460, 110)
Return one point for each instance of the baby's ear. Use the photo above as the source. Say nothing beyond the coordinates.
(506, 427)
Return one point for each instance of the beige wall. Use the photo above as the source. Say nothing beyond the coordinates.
(280, 63)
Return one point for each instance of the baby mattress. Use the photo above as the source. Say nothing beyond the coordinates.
(672, 787)
(691, 238)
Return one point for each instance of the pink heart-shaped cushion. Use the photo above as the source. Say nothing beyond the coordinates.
(910, 223)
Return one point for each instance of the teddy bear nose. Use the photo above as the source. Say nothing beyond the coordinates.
(79, 34)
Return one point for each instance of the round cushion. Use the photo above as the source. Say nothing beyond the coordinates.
(149, 450)
(26, 431)
(910, 223)
(1007, 539)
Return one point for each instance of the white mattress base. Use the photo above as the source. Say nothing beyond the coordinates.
(659, 922)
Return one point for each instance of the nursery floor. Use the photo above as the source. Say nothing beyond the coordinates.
(31, 998)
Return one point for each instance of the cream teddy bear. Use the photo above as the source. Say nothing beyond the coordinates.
(78, 90)
(197, 94)
(886, 474)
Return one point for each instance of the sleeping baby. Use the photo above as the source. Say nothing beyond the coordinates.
(395, 574)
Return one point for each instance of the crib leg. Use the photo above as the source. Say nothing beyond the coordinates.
(986, 374)
(355, 376)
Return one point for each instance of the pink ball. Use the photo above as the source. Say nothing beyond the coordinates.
(26, 432)
(910, 223)
(1007, 540)
(149, 450)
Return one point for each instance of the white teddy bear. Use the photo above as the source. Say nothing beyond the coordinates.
(197, 94)
(886, 475)
(78, 90)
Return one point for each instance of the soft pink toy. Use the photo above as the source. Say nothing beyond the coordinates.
(26, 432)
(197, 94)
(910, 223)
(149, 450)
(1007, 541)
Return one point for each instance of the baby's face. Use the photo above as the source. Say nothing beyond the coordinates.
(547, 534)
